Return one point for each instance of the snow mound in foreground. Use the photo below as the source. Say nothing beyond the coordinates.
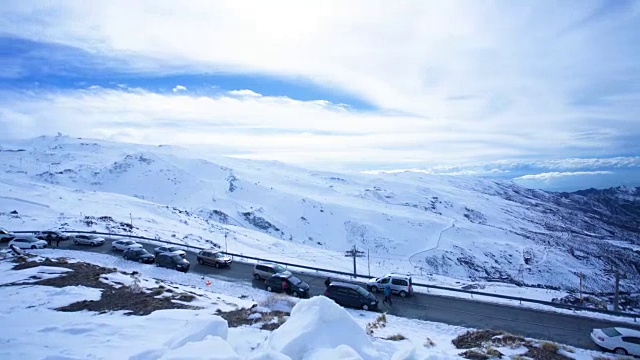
(319, 327)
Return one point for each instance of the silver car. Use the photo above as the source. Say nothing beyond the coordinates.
(400, 284)
(92, 240)
(265, 270)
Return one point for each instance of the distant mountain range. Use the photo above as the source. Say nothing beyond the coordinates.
(461, 227)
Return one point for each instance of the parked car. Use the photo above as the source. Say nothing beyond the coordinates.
(51, 235)
(351, 295)
(172, 261)
(92, 240)
(621, 341)
(169, 249)
(124, 245)
(6, 235)
(28, 242)
(139, 255)
(294, 286)
(213, 258)
(400, 284)
(265, 270)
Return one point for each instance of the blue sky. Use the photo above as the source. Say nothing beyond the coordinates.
(546, 94)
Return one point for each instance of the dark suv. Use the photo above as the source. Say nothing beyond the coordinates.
(351, 295)
(139, 255)
(293, 285)
(172, 261)
(213, 258)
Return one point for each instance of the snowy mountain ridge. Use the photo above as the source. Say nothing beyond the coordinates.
(431, 226)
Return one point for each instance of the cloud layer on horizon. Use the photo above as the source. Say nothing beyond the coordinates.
(449, 83)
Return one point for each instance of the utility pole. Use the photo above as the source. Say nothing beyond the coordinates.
(368, 263)
(354, 253)
(617, 277)
(226, 249)
(580, 287)
(615, 296)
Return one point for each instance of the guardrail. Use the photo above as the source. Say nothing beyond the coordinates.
(428, 286)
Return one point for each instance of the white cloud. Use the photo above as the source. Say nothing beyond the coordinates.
(555, 175)
(482, 81)
(178, 88)
(244, 92)
(463, 61)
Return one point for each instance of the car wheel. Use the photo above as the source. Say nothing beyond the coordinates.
(33, 247)
(76, 242)
(269, 288)
(365, 307)
(403, 294)
(157, 265)
(200, 261)
(620, 351)
(373, 289)
(114, 248)
(140, 260)
(125, 257)
(295, 294)
(256, 276)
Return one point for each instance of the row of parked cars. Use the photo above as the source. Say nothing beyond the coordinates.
(169, 256)
(278, 279)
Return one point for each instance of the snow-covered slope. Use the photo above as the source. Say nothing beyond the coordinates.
(465, 228)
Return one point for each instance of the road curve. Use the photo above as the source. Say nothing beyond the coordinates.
(545, 325)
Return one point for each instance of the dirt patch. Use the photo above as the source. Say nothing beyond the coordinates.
(270, 320)
(122, 298)
(474, 355)
(473, 339)
(541, 353)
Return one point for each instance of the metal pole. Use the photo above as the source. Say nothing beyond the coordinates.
(581, 287)
(368, 263)
(615, 297)
(354, 260)
(226, 249)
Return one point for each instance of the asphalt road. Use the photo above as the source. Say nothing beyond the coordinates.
(545, 325)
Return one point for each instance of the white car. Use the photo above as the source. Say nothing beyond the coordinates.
(124, 245)
(92, 240)
(169, 249)
(6, 235)
(622, 341)
(28, 243)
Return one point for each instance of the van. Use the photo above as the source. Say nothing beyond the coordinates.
(400, 284)
(351, 295)
(265, 270)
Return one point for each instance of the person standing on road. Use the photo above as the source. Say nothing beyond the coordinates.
(387, 295)
(49, 240)
(284, 285)
(58, 241)
(327, 282)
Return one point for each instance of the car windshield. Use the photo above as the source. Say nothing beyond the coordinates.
(172, 249)
(218, 255)
(129, 242)
(140, 252)
(611, 332)
(294, 280)
(176, 258)
(279, 268)
(362, 291)
(32, 239)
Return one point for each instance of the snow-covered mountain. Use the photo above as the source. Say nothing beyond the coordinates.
(459, 227)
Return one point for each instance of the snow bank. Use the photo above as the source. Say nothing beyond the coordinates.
(211, 347)
(320, 329)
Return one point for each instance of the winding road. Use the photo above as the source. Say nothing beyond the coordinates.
(545, 325)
